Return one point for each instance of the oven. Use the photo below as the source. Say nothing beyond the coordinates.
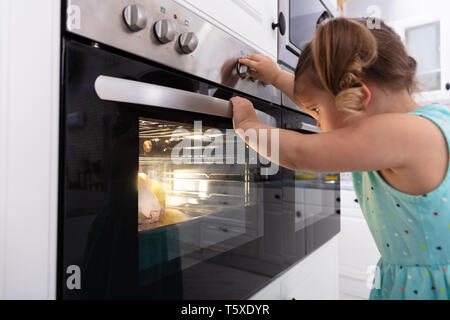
(313, 198)
(297, 23)
(158, 197)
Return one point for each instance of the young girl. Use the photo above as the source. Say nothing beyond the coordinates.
(357, 83)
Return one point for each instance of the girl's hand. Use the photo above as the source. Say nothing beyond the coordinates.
(262, 68)
(243, 112)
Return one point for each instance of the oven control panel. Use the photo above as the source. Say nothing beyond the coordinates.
(166, 32)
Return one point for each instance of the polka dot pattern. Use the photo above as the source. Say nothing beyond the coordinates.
(411, 232)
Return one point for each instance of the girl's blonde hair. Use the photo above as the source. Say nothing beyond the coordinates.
(345, 52)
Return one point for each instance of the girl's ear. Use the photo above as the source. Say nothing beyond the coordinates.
(367, 95)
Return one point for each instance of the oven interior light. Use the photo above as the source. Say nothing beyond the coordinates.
(193, 201)
(195, 137)
(142, 175)
(174, 201)
(182, 183)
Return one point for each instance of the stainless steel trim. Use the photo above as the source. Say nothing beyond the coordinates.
(214, 59)
(285, 55)
(128, 91)
(285, 100)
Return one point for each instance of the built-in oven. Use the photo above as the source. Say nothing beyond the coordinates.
(297, 23)
(159, 198)
(313, 198)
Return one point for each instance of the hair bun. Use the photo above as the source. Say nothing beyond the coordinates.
(342, 49)
(345, 53)
(349, 80)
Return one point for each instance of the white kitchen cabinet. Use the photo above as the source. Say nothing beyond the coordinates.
(270, 292)
(358, 253)
(427, 41)
(29, 111)
(315, 278)
(248, 20)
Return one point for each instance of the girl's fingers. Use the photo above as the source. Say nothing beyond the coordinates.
(255, 57)
(237, 100)
(253, 74)
(248, 62)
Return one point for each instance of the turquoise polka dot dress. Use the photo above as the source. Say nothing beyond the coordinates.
(412, 233)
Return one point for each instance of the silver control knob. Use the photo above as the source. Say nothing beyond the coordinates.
(135, 16)
(242, 70)
(165, 31)
(188, 42)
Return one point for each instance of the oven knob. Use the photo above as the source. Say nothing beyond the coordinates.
(135, 16)
(165, 31)
(242, 70)
(188, 42)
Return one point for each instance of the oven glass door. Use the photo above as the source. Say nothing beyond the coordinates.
(159, 199)
(197, 200)
(313, 197)
(304, 16)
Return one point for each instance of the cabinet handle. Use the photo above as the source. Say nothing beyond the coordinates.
(281, 24)
(447, 86)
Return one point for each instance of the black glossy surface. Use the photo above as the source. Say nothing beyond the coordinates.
(98, 197)
(319, 230)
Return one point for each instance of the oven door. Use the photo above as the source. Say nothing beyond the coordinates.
(302, 18)
(159, 199)
(313, 197)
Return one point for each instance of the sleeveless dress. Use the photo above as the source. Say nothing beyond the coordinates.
(412, 233)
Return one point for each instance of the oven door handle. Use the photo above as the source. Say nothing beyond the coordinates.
(128, 91)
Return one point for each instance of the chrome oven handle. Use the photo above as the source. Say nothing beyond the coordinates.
(128, 91)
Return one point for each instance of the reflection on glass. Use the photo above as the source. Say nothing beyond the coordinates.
(314, 195)
(191, 211)
(170, 193)
(303, 21)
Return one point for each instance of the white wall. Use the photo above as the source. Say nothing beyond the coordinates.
(29, 130)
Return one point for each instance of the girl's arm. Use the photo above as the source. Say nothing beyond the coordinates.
(396, 141)
(265, 69)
